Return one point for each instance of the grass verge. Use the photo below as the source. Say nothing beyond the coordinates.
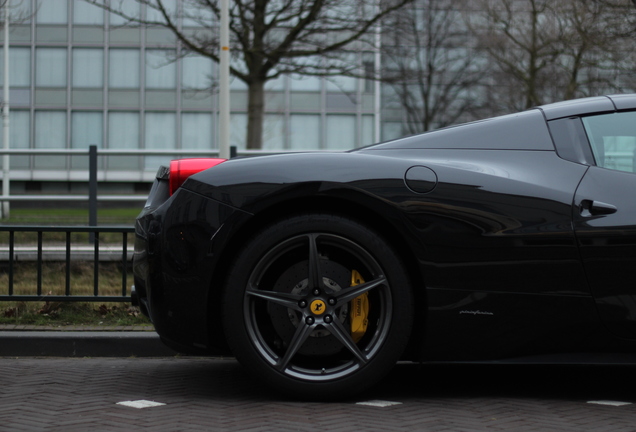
(53, 282)
(56, 314)
(71, 216)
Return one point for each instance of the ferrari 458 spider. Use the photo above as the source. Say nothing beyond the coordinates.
(509, 239)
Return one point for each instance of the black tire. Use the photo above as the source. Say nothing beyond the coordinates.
(288, 301)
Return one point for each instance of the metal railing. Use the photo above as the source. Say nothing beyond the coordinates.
(92, 152)
(69, 253)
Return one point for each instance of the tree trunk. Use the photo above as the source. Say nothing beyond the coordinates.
(255, 109)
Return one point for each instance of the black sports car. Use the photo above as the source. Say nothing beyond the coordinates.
(512, 238)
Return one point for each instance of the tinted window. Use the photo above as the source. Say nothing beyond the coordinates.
(613, 140)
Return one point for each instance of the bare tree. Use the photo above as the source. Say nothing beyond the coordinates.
(522, 47)
(430, 64)
(270, 38)
(597, 46)
(542, 50)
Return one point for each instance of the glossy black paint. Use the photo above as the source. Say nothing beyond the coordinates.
(490, 218)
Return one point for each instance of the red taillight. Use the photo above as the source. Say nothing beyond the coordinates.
(181, 169)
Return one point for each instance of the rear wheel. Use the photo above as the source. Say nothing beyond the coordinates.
(318, 306)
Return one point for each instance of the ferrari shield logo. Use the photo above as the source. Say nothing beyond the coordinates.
(318, 307)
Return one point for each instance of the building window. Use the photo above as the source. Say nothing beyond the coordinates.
(391, 130)
(368, 130)
(197, 16)
(276, 84)
(196, 72)
(160, 131)
(88, 68)
(123, 133)
(87, 14)
(306, 83)
(50, 129)
(50, 68)
(161, 134)
(154, 14)
(19, 67)
(123, 130)
(86, 129)
(128, 8)
(196, 131)
(50, 132)
(235, 83)
(20, 9)
(19, 130)
(161, 69)
(18, 137)
(368, 63)
(342, 84)
(273, 132)
(123, 68)
(304, 131)
(341, 132)
(52, 12)
(238, 130)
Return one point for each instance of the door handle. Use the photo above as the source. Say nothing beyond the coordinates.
(596, 208)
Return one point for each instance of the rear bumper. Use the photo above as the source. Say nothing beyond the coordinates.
(178, 246)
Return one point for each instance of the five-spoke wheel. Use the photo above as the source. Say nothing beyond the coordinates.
(318, 304)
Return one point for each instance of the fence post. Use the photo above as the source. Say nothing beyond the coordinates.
(233, 152)
(92, 189)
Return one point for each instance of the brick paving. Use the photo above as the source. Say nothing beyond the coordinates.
(212, 394)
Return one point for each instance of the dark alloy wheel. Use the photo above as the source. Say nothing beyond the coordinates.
(318, 306)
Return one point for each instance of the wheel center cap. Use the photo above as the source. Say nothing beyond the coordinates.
(317, 307)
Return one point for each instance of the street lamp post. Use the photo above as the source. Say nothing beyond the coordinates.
(224, 81)
(5, 116)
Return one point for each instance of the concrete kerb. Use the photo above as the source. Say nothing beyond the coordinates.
(98, 342)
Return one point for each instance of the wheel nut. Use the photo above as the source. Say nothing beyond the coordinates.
(327, 319)
(316, 292)
(302, 303)
(332, 301)
(309, 320)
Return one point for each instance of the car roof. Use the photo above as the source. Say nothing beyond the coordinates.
(591, 105)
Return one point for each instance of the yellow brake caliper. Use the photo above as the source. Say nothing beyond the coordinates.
(359, 309)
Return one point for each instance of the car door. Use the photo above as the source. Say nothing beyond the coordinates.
(605, 219)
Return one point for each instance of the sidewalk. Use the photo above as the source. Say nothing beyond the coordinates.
(81, 341)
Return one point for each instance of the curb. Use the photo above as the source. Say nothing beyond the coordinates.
(82, 344)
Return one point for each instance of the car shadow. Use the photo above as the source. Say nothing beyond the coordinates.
(227, 380)
(578, 382)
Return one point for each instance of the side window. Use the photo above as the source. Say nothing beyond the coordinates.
(613, 140)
